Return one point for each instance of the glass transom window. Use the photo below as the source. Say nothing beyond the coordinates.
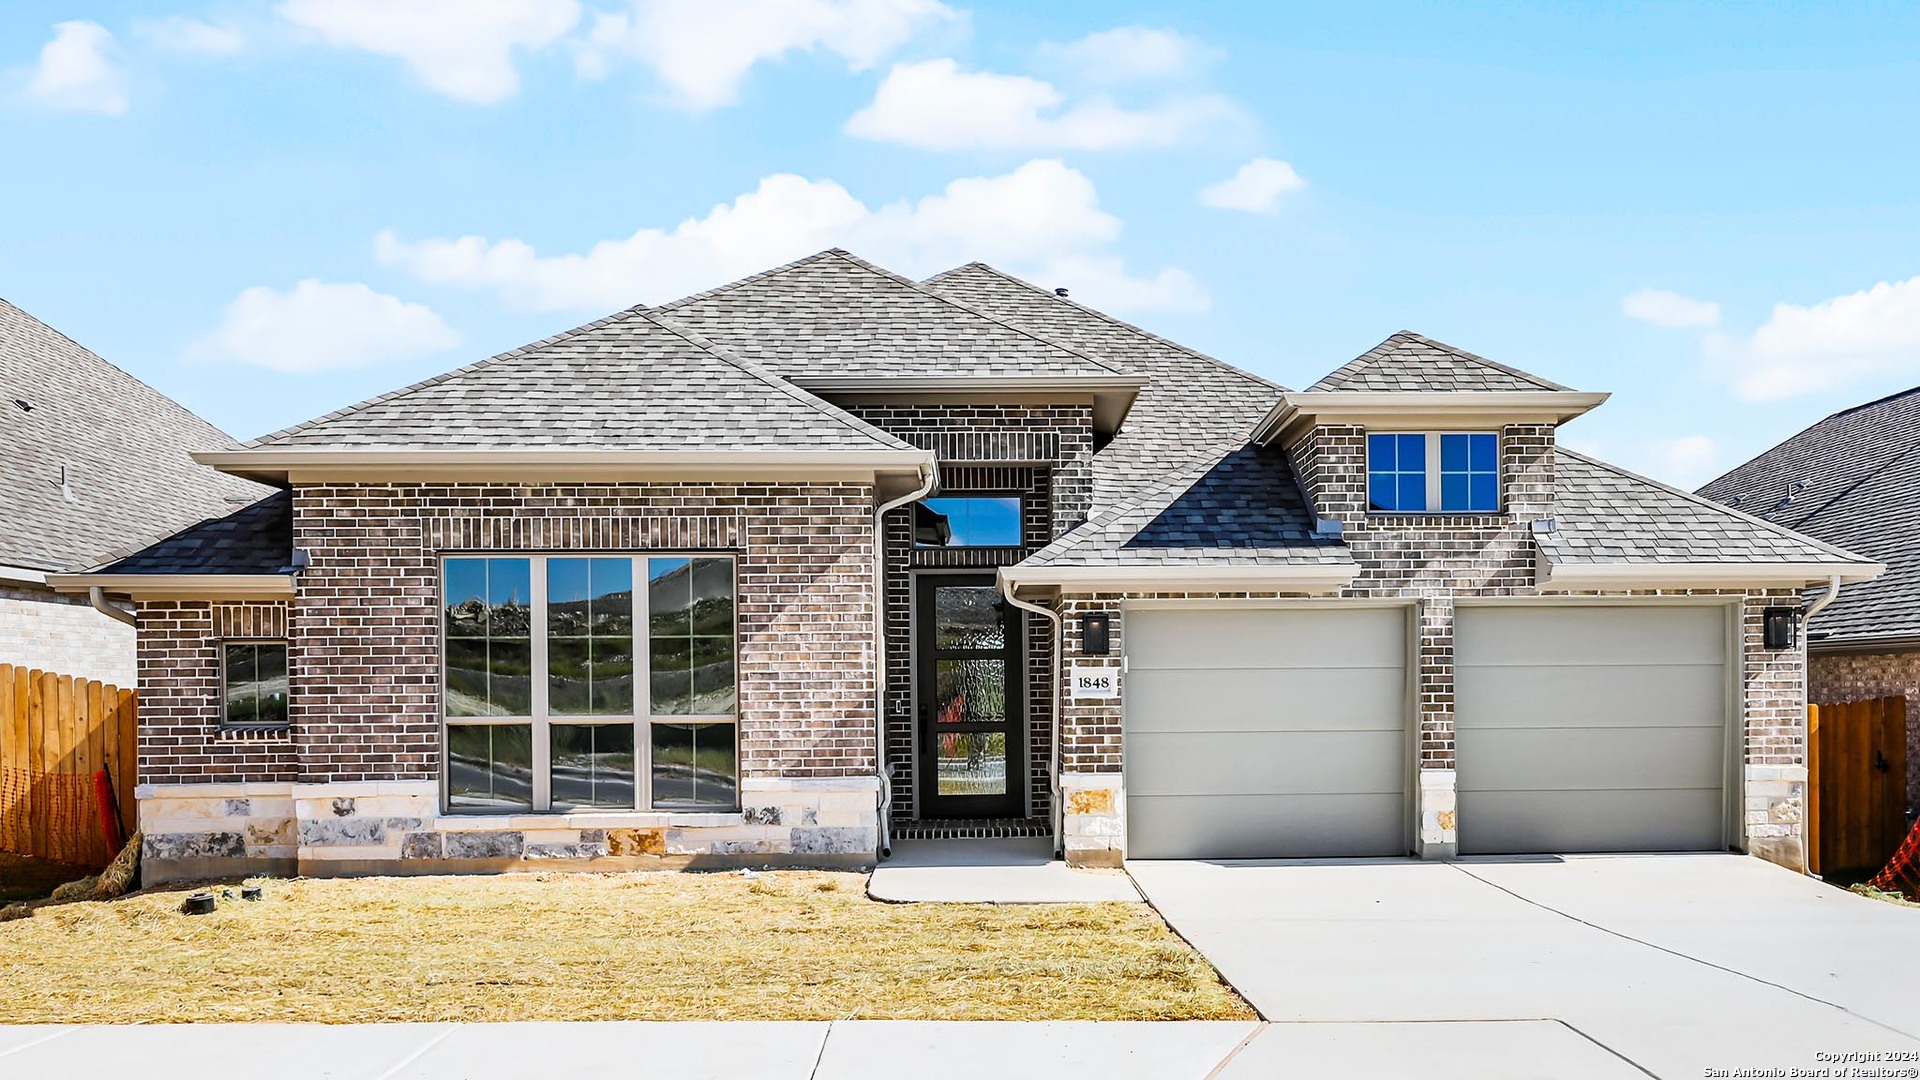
(590, 681)
(1448, 473)
(967, 521)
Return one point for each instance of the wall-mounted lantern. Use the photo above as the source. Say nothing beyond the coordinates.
(1096, 631)
(1780, 626)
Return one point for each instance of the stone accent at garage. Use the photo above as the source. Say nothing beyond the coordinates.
(1094, 819)
(1437, 803)
(1856, 676)
(394, 827)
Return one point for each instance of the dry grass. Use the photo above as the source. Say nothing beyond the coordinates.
(640, 946)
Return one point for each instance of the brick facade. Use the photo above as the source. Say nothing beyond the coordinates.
(1849, 676)
(180, 737)
(42, 629)
(976, 445)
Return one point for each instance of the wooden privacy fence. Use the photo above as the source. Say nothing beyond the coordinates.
(56, 732)
(1856, 784)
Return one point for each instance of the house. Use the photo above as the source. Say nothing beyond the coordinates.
(782, 571)
(92, 460)
(1853, 479)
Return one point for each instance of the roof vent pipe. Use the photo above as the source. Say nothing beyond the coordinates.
(1061, 291)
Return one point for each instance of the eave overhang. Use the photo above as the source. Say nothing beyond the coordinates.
(279, 466)
(180, 586)
(1883, 643)
(1424, 409)
(1297, 578)
(1698, 575)
(1113, 395)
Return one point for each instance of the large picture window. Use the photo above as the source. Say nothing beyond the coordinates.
(567, 687)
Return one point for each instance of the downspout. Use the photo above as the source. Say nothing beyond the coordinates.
(881, 770)
(98, 598)
(1053, 737)
(1806, 676)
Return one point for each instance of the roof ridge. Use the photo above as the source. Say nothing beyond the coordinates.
(1105, 317)
(1381, 351)
(349, 410)
(1865, 405)
(758, 371)
(1701, 500)
(749, 279)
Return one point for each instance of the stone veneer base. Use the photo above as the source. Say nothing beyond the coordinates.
(196, 831)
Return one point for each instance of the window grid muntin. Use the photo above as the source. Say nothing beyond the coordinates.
(1431, 449)
(543, 720)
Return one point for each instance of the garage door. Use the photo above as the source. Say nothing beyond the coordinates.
(1266, 734)
(1590, 728)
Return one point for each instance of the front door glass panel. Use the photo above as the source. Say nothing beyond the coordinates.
(970, 711)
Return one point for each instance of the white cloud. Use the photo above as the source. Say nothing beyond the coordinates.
(1685, 462)
(182, 34)
(1042, 220)
(461, 48)
(1831, 345)
(77, 73)
(1670, 309)
(702, 51)
(321, 326)
(936, 106)
(1256, 187)
(1131, 52)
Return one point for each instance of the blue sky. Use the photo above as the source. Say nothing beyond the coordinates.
(270, 210)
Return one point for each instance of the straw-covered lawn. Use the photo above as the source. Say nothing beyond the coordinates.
(639, 946)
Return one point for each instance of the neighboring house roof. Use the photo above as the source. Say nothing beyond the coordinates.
(94, 459)
(256, 539)
(1853, 479)
(1234, 504)
(1191, 400)
(833, 315)
(631, 381)
(1408, 362)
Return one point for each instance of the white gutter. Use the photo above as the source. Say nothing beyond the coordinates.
(1295, 577)
(1806, 682)
(1698, 575)
(180, 586)
(1053, 739)
(881, 769)
(97, 596)
(23, 575)
(1828, 597)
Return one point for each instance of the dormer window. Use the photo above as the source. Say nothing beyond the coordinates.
(1433, 472)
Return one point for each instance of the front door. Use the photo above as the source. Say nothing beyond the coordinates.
(968, 681)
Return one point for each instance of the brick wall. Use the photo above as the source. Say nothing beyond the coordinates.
(364, 670)
(973, 443)
(1840, 677)
(42, 629)
(180, 737)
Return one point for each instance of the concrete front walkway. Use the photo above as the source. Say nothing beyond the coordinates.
(1671, 965)
(1009, 871)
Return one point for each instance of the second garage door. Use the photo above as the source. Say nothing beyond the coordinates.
(1591, 728)
(1263, 733)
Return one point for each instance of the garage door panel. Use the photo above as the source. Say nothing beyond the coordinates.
(1255, 638)
(1265, 826)
(1590, 695)
(1265, 733)
(1305, 763)
(1651, 634)
(1629, 759)
(1575, 821)
(1583, 728)
(1248, 699)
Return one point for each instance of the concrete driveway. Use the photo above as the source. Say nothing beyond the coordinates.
(1664, 965)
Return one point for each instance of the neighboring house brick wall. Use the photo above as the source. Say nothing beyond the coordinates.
(45, 630)
(969, 440)
(1838, 677)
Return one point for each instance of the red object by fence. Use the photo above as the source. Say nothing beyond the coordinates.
(54, 817)
(109, 812)
(1902, 872)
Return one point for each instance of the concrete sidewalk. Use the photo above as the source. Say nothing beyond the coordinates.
(1006, 871)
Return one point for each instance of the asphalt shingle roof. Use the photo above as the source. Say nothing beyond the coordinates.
(123, 447)
(627, 382)
(832, 314)
(1609, 515)
(1232, 505)
(1853, 479)
(1409, 362)
(1191, 400)
(256, 539)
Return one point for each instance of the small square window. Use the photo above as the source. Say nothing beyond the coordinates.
(254, 674)
(1449, 473)
(1397, 472)
(1470, 473)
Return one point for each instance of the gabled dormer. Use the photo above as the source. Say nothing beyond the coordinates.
(1414, 428)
